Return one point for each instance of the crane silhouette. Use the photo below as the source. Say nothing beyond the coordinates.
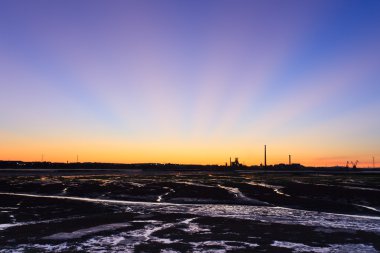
(354, 164)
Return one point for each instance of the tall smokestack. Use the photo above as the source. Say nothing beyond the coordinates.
(265, 155)
(290, 159)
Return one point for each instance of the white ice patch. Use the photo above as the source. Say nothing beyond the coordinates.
(281, 193)
(159, 199)
(148, 230)
(235, 191)
(8, 225)
(146, 221)
(299, 247)
(136, 184)
(259, 213)
(221, 246)
(105, 243)
(192, 227)
(94, 200)
(368, 207)
(195, 184)
(187, 221)
(86, 231)
(341, 186)
(168, 251)
(238, 194)
(352, 248)
(360, 188)
(33, 247)
(127, 241)
(275, 188)
(283, 216)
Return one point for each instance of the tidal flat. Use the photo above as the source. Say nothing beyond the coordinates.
(189, 212)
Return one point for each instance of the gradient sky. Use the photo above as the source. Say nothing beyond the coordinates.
(190, 81)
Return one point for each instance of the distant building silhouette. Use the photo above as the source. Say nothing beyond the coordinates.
(235, 163)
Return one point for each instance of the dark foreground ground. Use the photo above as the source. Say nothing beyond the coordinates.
(189, 212)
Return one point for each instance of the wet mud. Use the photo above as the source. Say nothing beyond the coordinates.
(199, 212)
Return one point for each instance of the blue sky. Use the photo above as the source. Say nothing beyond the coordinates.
(190, 81)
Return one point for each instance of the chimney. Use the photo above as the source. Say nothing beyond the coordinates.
(265, 155)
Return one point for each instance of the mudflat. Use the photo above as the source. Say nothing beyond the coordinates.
(189, 212)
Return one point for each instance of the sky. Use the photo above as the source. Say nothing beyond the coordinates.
(193, 82)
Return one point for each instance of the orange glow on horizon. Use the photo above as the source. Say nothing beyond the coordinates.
(174, 151)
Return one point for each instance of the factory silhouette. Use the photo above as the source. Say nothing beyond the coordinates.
(237, 164)
(233, 165)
